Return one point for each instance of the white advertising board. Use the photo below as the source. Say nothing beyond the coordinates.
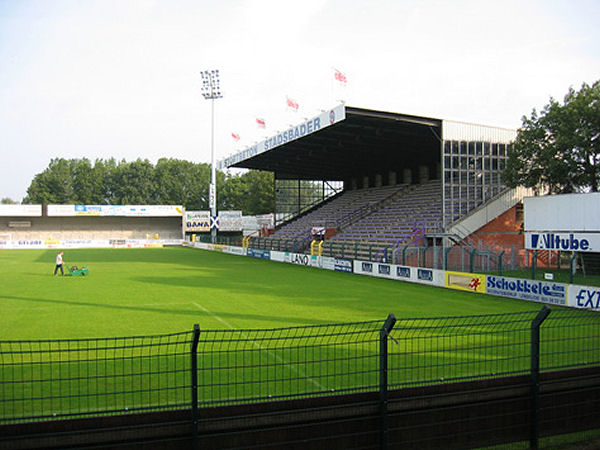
(530, 290)
(230, 220)
(87, 243)
(584, 297)
(21, 210)
(563, 213)
(115, 210)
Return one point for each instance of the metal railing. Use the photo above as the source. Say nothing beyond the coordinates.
(46, 380)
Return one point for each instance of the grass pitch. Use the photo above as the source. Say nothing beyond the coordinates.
(250, 350)
(154, 291)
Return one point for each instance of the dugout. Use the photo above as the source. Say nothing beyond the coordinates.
(348, 148)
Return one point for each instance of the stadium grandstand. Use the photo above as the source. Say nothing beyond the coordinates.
(374, 184)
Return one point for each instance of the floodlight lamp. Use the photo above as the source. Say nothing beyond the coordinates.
(210, 84)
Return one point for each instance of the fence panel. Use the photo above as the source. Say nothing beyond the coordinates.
(452, 349)
(239, 366)
(53, 379)
(487, 356)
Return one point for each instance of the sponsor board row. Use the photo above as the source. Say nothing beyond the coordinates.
(87, 243)
(548, 292)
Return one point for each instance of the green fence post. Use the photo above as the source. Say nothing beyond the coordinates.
(404, 255)
(446, 253)
(194, 380)
(533, 264)
(472, 261)
(356, 250)
(343, 248)
(535, 376)
(383, 377)
(500, 262)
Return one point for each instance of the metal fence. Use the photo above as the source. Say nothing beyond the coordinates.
(46, 380)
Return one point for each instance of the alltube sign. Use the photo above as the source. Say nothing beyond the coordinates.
(576, 242)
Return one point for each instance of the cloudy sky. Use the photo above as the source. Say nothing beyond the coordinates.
(121, 78)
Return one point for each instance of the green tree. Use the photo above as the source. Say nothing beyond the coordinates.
(181, 182)
(53, 185)
(171, 181)
(559, 149)
(133, 183)
(260, 197)
(7, 201)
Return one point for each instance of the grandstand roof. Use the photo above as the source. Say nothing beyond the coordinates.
(363, 142)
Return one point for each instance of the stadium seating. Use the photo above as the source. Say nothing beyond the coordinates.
(367, 220)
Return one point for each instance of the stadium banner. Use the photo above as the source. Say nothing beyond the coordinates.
(576, 242)
(432, 277)
(584, 297)
(462, 281)
(302, 259)
(196, 221)
(21, 210)
(531, 290)
(259, 253)
(230, 221)
(115, 210)
(323, 120)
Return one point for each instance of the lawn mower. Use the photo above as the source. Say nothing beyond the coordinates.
(75, 271)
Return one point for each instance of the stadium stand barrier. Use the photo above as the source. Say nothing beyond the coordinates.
(400, 383)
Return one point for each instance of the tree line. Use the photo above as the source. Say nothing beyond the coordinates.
(169, 181)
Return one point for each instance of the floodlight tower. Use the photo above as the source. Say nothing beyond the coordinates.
(211, 90)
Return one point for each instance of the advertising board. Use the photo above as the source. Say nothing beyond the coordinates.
(469, 282)
(21, 210)
(196, 221)
(230, 221)
(115, 210)
(576, 242)
(433, 277)
(259, 253)
(531, 290)
(584, 297)
(301, 259)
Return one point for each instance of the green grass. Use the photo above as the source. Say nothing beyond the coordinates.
(250, 313)
(153, 291)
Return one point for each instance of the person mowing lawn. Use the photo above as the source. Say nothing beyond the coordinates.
(59, 264)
